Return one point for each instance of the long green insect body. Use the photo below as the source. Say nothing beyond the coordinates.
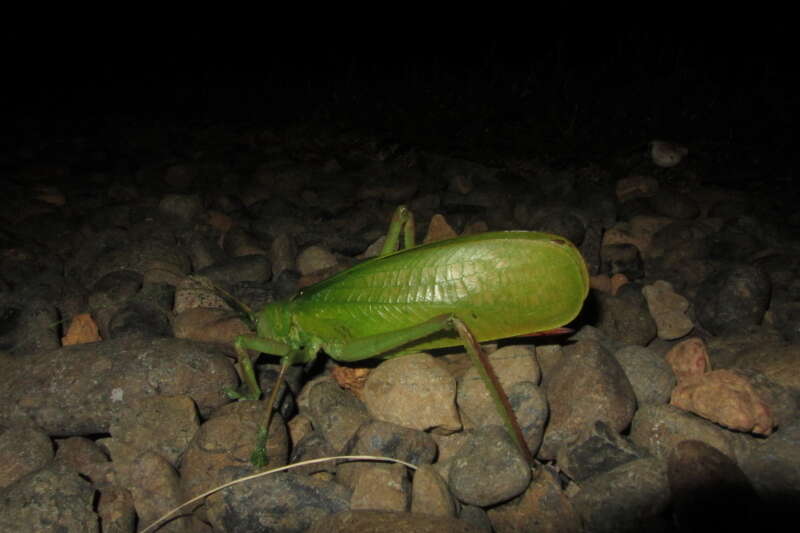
(500, 284)
(459, 291)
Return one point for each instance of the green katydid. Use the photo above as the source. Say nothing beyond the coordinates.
(459, 291)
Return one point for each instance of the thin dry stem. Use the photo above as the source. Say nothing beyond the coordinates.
(163, 518)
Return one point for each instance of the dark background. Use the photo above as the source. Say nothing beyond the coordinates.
(546, 87)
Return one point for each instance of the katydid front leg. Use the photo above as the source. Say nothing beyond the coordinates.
(288, 357)
(248, 375)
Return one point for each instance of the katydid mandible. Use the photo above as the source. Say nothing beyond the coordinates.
(464, 290)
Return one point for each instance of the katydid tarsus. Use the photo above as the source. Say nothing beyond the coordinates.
(460, 291)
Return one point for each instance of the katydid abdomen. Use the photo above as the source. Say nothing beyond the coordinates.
(500, 284)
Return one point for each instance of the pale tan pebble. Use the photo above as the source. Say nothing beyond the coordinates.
(667, 154)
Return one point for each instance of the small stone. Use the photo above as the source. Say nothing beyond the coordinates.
(639, 231)
(630, 497)
(381, 487)
(709, 490)
(283, 253)
(156, 490)
(140, 318)
(488, 469)
(82, 454)
(22, 450)
(586, 385)
(548, 355)
(617, 282)
(531, 410)
(668, 309)
(351, 378)
(81, 330)
(220, 221)
(558, 220)
(335, 413)
(284, 501)
(54, 498)
(209, 325)
(315, 259)
(636, 187)
(384, 439)
(239, 242)
(430, 494)
(182, 207)
(253, 267)
(649, 374)
(659, 428)
(667, 154)
(622, 258)
(475, 517)
(222, 447)
(116, 511)
(475, 228)
(726, 398)
(413, 391)
(439, 230)
(390, 522)
(162, 424)
(749, 344)
(774, 467)
(589, 333)
(625, 317)
(600, 282)
(37, 331)
(596, 452)
(736, 298)
(311, 446)
(689, 358)
(543, 503)
(512, 365)
(783, 403)
(120, 370)
(196, 291)
(778, 362)
(448, 445)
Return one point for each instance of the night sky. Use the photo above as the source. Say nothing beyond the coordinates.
(627, 83)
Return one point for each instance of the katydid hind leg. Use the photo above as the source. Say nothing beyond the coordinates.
(376, 345)
(492, 383)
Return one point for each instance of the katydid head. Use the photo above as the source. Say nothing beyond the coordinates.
(274, 321)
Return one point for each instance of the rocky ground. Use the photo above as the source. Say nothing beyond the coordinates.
(672, 406)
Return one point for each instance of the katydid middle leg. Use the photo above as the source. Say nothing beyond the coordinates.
(402, 220)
